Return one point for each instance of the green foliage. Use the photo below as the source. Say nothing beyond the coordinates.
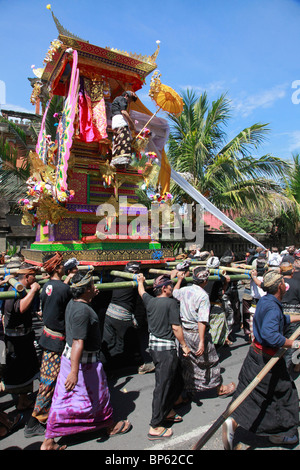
(13, 176)
(56, 106)
(225, 173)
(255, 224)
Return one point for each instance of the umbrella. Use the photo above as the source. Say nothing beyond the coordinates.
(165, 97)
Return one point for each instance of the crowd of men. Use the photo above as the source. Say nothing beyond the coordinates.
(173, 329)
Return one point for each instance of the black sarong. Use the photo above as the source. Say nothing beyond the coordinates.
(272, 408)
(121, 149)
(168, 384)
(22, 364)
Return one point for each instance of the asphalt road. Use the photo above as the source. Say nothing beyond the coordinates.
(131, 396)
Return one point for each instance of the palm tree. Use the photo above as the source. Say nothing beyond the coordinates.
(225, 173)
(14, 171)
(288, 221)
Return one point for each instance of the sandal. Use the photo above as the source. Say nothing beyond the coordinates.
(125, 426)
(53, 446)
(228, 342)
(174, 419)
(162, 435)
(229, 390)
(60, 447)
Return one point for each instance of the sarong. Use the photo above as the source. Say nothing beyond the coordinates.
(200, 373)
(22, 365)
(168, 384)
(121, 149)
(273, 406)
(48, 375)
(113, 341)
(288, 331)
(228, 311)
(218, 325)
(86, 408)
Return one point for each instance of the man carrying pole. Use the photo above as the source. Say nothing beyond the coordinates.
(55, 296)
(272, 407)
(22, 363)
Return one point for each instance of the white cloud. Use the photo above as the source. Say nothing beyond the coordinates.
(211, 88)
(13, 107)
(264, 99)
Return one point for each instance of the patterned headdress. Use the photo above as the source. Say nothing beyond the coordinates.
(83, 282)
(200, 274)
(161, 281)
(271, 278)
(184, 265)
(53, 262)
(71, 263)
(213, 262)
(133, 267)
(26, 268)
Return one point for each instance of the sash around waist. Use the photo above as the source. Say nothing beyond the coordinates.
(18, 331)
(264, 349)
(54, 334)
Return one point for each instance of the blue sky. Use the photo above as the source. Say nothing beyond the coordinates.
(248, 49)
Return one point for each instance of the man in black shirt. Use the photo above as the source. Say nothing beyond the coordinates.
(54, 298)
(291, 306)
(119, 318)
(164, 326)
(82, 399)
(296, 265)
(121, 122)
(21, 359)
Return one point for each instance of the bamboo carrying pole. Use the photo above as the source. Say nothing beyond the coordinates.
(232, 269)
(16, 284)
(43, 281)
(220, 272)
(7, 271)
(236, 270)
(150, 282)
(193, 262)
(129, 281)
(236, 403)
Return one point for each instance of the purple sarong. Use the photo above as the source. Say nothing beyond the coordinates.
(86, 408)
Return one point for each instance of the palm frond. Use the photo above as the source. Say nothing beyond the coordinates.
(248, 139)
(227, 174)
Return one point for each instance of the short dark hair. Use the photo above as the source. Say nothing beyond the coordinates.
(130, 94)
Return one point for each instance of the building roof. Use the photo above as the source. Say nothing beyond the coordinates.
(119, 65)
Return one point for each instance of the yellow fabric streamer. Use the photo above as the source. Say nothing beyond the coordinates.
(164, 174)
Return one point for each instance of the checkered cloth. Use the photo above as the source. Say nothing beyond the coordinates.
(159, 344)
(88, 357)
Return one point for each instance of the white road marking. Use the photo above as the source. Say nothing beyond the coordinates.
(178, 440)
